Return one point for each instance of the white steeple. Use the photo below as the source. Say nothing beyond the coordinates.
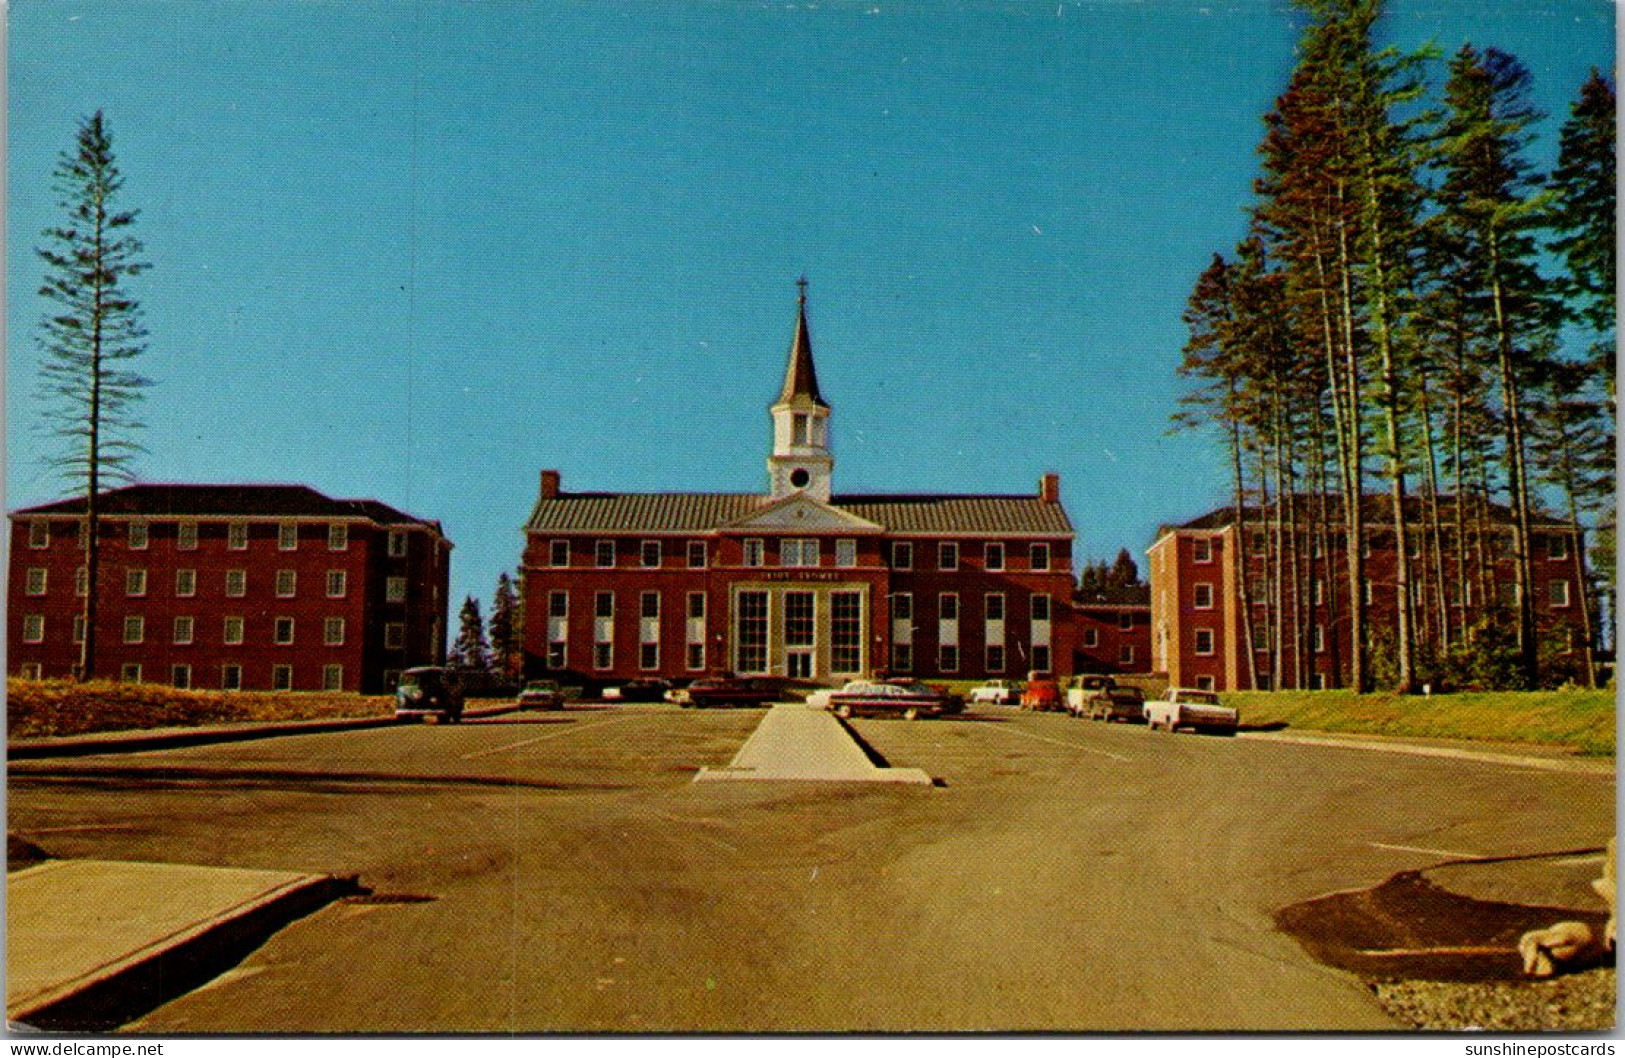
(801, 459)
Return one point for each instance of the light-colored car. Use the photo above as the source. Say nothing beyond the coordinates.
(1195, 709)
(995, 692)
(905, 698)
(542, 694)
(1081, 689)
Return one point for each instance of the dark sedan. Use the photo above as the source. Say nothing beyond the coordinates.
(748, 692)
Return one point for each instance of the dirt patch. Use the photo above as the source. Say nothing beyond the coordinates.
(1582, 1002)
(21, 853)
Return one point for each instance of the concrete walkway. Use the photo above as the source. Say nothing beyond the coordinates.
(797, 741)
(89, 941)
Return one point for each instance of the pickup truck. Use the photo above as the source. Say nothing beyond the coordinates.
(994, 692)
(1080, 689)
(1183, 707)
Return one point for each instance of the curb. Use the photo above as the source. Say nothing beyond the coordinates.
(1369, 744)
(145, 979)
(138, 742)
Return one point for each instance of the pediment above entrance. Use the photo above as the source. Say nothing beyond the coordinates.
(801, 513)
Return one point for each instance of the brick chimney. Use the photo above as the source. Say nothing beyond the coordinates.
(1049, 488)
(550, 484)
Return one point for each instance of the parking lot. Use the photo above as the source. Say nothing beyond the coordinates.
(561, 871)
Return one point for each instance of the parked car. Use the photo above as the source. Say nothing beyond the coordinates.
(1080, 689)
(1199, 710)
(1041, 696)
(1126, 704)
(749, 691)
(429, 691)
(995, 692)
(638, 691)
(542, 694)
(908, 699)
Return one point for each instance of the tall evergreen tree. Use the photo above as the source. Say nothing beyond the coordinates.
(504, 629)
(471, 650)
(1123, 573)
(89, 339)
(1583, 212)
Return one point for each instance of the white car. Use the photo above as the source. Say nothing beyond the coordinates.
(995, 692)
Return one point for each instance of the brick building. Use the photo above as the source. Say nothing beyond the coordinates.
(797, 581)
(1196, 603)
(262, 587)
(1112, 629)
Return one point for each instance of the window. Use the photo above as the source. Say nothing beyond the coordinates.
(649, 605)
(902, 555)
(185, 583)
(135, 582)
(696, 605)
(1204, 641)
(902, 657)
(1040, 557)
(1261, 637)
(948, 555)
(995, 658)
(130, 672)
(183, 631)
(135, 628)
(1559, 593)
(1320, 639)
(1125, 654)
(604, 604)
(394, 635)
(237, 540)
(34, 628)
(236, 583)
(287, 537)
(1557, 548)
(948, 607)
(1319, 595)
(79, 628)
(33, 670)
(1317, 681)
(397, 543)
(797, 552)
(603, 655)
(282, 677)
(286, 583)
(338, 536)
(36, 581)
(1203, 596)
(332, 677)
(650, 554)
(558, 553)
(337, 583)
(754, 551)
(1040, 658)
(801, 429)
(1205, 683)
(557, 654)
(81, 582)
(948, 658)
(846, 553)
(138, 536)
(232, 635)
(648, 655)
(1125, 622)
(750, 633)
(1369, 594)
(993, 557)
(994, 604)
(1202, 550)
(1040, 607)
(902, 607)
(180, 676)
(333, 632)
(603, 552)
(395, 589)
(696, 657)
(39, 534)
(558, 604)
(696, 554)
(231, 677)
(799, 616)
(186, 536)
(282, 633)
(1091, 637)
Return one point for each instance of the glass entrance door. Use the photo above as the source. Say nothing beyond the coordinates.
(800, 633)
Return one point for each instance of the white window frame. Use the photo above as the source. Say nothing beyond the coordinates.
(648, 548)
(138, 535)
(287, 536)
(332, 677)
(241, 577)
(394, 589)
(557, 549)
(1557, 548)
(1039, 557)
(602, 549)
(993, 556)
(988, 606)
(948, 555)
(30, 670)
(338, 536)
(237, 536)
(942, 605)
(338, 583)
(130, 672)
(1043, 661)
(231, 677)
(1197, 636)
(394, 635)
(996, 664)
(1206, 683)
(287, 583)
(135, 583)
(944, 656)
(39, 534)
(696, 549)
(135, 629)
(754, 552)
(333, 631)
(81, 582)
(902, 554)
(1553, 593)
(185, 630)
(1200, 589)
(282, 677)
(396, 545)
(34, 628)
(1091, 637)
(186, 536)
(277, 625)
(37, 579)
(1037, 602)
(233, 630)
(846, 553)
(1125, 622)
(1125, 654)
(185, 583)
(1201, 551)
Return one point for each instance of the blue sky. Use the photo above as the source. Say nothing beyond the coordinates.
(419, 251)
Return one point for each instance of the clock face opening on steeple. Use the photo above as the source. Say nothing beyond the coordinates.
(800, 477)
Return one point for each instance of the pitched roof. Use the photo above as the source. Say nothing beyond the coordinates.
(1376, 508)
(285, 501)
(801, 377)
(705, 511)
(1120, 595)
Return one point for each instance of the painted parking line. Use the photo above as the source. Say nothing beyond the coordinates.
(1061, 742)
(1447, 853)
(551, 734)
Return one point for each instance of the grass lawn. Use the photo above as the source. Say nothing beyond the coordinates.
(1578, 719)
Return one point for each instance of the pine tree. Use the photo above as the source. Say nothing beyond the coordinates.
(90, 338)
(1123, 573)
(471, 651)
(1583, 213)
(505, 642)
